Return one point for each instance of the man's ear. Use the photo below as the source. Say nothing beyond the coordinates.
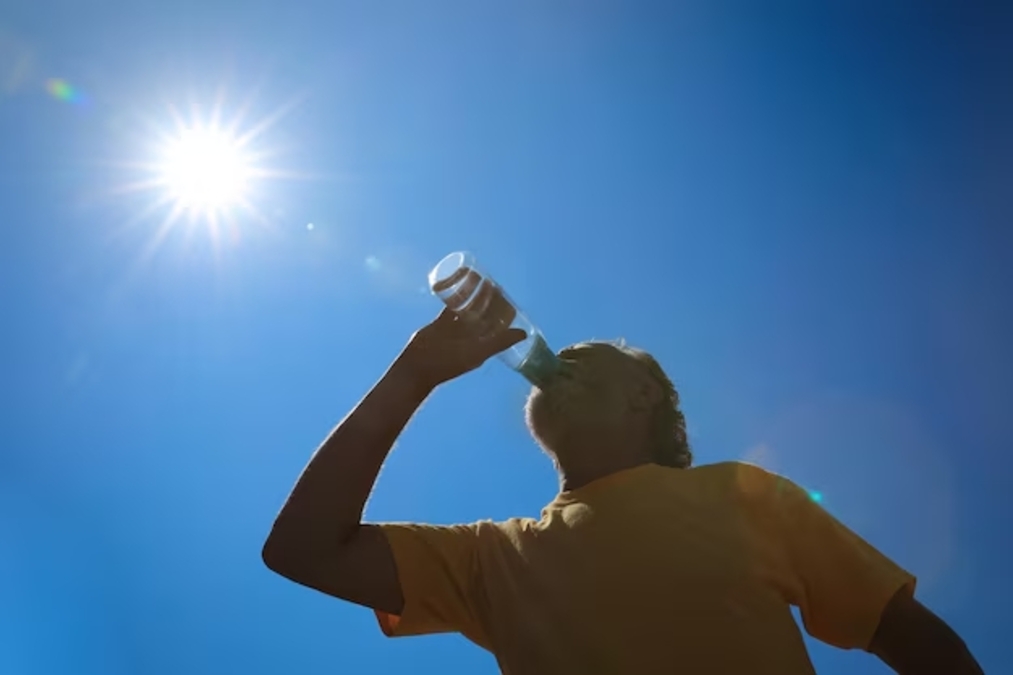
(646, 395)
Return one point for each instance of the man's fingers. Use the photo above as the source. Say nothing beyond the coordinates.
(446, 315)
(508, 339)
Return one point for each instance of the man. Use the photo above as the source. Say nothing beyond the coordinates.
(640, 565)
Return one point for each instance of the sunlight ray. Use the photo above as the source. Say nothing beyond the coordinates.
(256, 130)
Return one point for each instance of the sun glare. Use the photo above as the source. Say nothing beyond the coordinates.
(205, 170)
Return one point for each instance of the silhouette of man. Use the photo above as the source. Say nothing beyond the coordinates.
(640, 564)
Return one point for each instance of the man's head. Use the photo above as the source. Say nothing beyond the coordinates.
(609, 398)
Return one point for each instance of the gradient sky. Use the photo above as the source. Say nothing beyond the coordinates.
(804, 214)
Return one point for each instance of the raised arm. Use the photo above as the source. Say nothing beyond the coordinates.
(912, 640)
(318, 538)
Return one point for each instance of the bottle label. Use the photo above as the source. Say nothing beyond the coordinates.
(541, 365)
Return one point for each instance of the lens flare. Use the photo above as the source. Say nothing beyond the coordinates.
(61, 90)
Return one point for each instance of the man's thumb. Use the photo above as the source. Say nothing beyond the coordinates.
(511, 337)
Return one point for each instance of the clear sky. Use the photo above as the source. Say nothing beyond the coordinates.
(805, 215)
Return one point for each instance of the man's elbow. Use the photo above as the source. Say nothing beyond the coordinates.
(296, 555)
(274, 555)
(286, 554)
(963, 662)
(955, 659)
(969, 665)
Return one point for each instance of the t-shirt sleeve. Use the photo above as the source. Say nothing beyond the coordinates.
(840, 583)
(438, 569)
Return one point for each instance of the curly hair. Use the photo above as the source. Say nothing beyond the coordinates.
(672, 448)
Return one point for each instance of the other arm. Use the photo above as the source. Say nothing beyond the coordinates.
(854, 597)
(913, 641)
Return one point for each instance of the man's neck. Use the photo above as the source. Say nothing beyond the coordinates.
(574, 477)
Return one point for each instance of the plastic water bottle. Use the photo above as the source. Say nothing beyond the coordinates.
(476, 298)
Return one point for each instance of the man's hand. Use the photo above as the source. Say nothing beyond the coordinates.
(449, 347)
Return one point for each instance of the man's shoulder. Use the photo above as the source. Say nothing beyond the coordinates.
(478, 534)
(515, 525)
(486, 527)
(733, 468)
(509, 533)
(745, 478)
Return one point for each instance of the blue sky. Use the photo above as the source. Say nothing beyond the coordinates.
(803, 213)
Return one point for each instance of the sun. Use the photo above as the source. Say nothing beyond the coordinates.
(205, 170)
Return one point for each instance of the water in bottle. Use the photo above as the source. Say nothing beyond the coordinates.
(476, 298)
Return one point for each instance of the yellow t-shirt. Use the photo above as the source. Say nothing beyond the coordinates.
(649, 570)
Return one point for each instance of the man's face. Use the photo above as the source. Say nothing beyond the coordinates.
(591, 395)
